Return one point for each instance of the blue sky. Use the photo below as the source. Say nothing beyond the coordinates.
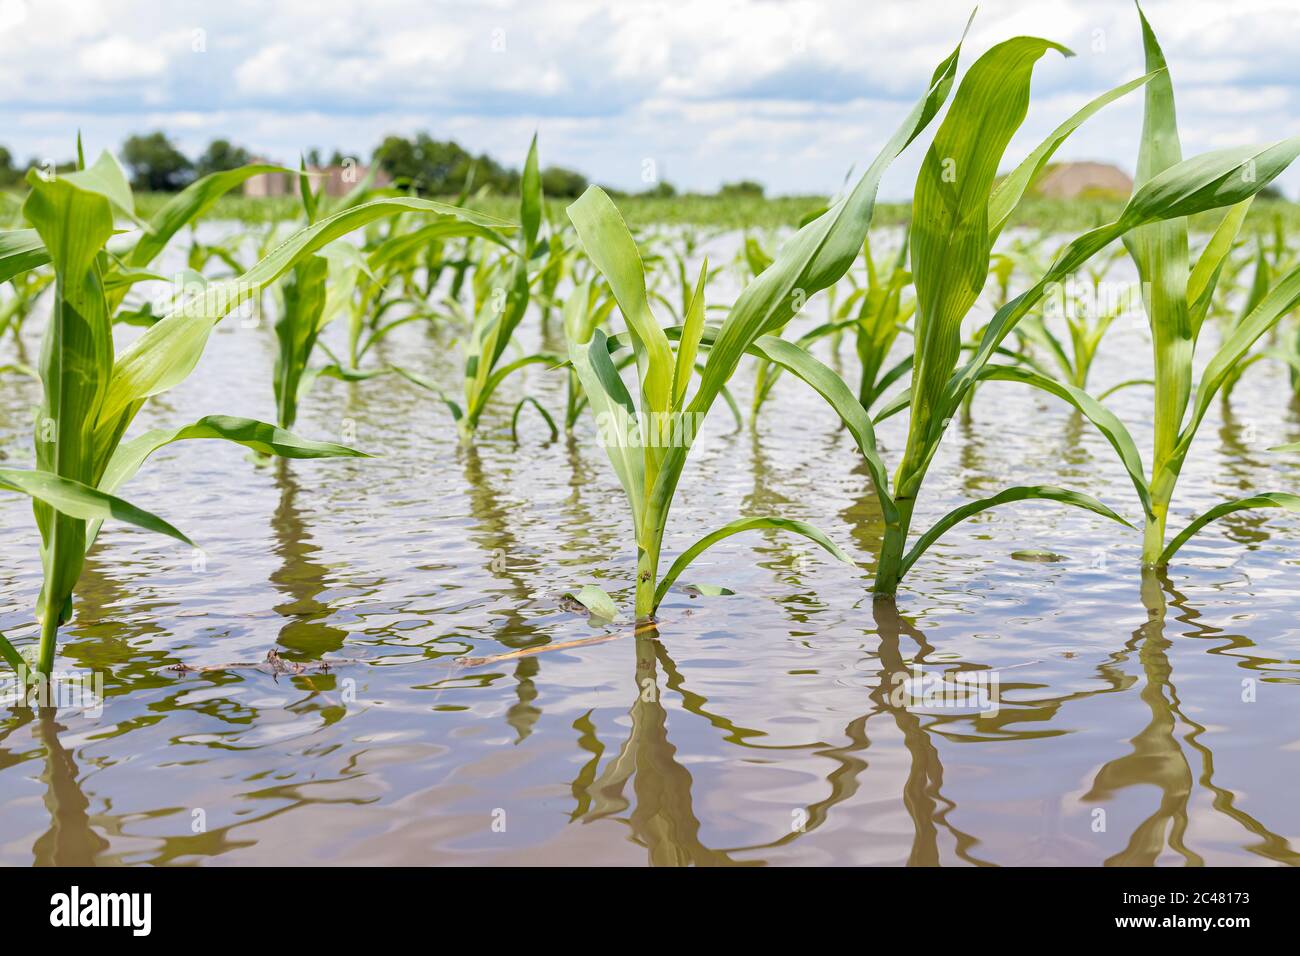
(789, 93)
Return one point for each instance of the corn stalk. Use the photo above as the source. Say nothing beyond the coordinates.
(815, 258)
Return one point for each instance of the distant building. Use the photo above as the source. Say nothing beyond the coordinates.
(337, 180)
(1070, 180)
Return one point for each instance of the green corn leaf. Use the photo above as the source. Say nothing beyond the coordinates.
(614, 410)
(21, 250)
(104, 178)
(892, 407)
(190, 204)
(577, 314)
(595, 600)
(689, 342)
(1221, 177)
(296, 329)
(1280, 300)
(403, 245)
(758, 259)
(80, 501)
(831, 387)
(530, 201)
(610, 246)
(309, 198)
(259, 436)
(12, 657)
(1007, 194)
(499, 333)
(707, 590)
(1020, 493)
(951, 239)
(1268, 499)
(499, 375)
(736, 527)
(1127, 383)
(166, 354)
(415, 378)
(1260, 283)
(120, 280)
(1205, 274)
(541, 410)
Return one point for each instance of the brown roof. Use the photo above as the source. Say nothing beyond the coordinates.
(1067, 180)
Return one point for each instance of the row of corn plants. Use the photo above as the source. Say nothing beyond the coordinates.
(92, 393)
(382, 259)
(960, 207)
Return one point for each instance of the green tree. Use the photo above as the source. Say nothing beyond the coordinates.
(564, 183)
(9, 176)
(155, 164)
(661, 190)
(746, 187)
(441, 167)
(221, 155)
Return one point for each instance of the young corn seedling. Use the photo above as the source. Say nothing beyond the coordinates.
(500, 305)
(92, 394)
(958, 212)
(323, 287)
(645, 438)
(956, 218)
(390, 293)
(1177, 299)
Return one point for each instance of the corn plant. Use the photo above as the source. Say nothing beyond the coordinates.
(646, 439)
(92, 394)
(958, 213)
(324, 287)
(501, 296)
(1177, 303)
(956, 219)
(397, 249)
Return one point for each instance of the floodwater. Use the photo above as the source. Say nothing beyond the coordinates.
(1115, 721)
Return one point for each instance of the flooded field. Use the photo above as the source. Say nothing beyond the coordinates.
(1110, 718)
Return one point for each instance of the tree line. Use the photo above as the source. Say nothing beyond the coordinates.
(435, 167)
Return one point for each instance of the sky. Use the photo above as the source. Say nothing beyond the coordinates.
(792, 94)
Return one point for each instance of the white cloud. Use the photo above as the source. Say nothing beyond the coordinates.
(791, 93)
(118, 58)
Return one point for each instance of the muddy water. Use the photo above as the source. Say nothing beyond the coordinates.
(1116, 721)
